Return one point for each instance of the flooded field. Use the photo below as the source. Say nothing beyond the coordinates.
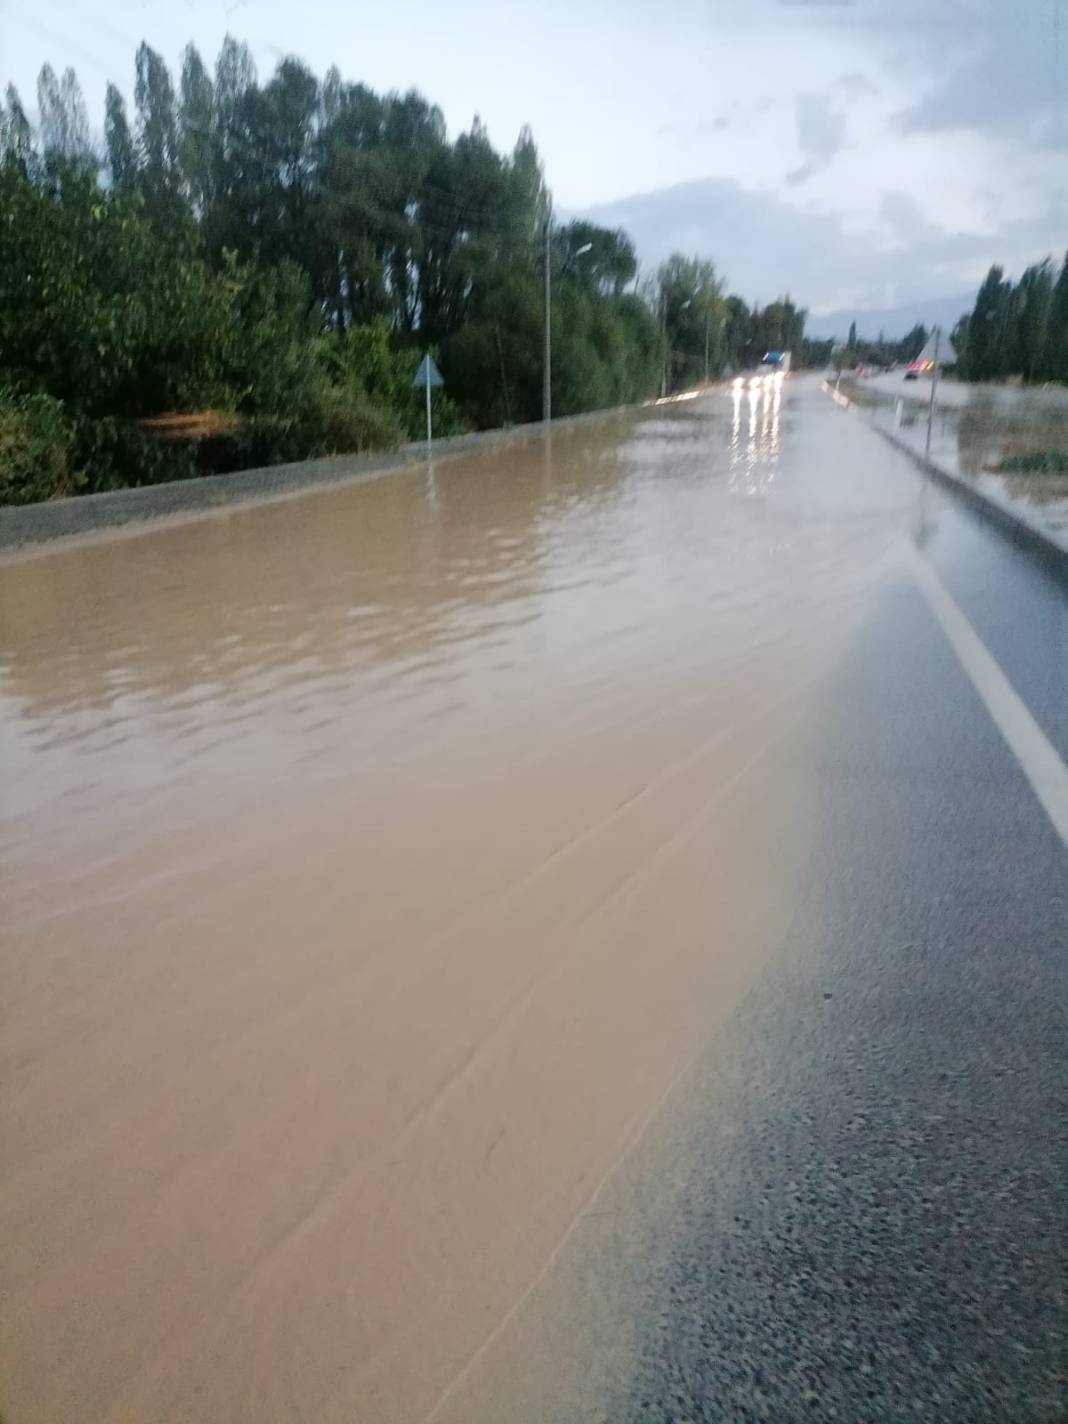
(983, 432)
(373, 863)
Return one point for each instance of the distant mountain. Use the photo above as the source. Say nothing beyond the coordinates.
(891, 321)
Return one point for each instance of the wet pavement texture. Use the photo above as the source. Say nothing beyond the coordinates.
(884, 1240)
(853, 1207)
(500, 941)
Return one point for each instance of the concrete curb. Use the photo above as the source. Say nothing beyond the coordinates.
(32, 527)
(1006, 515)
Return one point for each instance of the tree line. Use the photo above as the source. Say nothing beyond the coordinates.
(1017, 328)
(880, 350)
(271, 260)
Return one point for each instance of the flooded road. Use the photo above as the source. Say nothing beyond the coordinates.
(374, 862)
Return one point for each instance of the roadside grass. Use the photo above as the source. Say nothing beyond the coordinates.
(1035, 462)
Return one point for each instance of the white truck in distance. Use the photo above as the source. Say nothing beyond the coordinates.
(775, 361)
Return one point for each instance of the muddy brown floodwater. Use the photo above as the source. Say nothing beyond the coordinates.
(373, 863)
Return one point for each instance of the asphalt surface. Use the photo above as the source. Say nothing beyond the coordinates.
(884, 1237)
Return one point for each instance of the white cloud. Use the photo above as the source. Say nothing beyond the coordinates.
(821, 133)
(765, 245)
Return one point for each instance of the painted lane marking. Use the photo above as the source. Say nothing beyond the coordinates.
(1038, 759)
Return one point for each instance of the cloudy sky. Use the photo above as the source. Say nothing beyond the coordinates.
(857, 153)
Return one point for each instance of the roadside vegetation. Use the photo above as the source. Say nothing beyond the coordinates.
(865, 351)
(249, 272)
(1035, 462)
(1017, 329)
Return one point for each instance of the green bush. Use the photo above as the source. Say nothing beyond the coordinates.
(363, 359)
(1038, 462)
(346, 419)
(35, 449)
(116, 454)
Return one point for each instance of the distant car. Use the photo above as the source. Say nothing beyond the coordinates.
(915, 369)
(776, 363)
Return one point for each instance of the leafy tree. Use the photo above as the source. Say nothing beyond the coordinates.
(1057, 344)
(960, 339)
(693, 316)
(195, 107)
(913, 343)
(1030, 305)
(63, 117)
(608, 267)
(779, 327)
(332, 92)
(157, 134)
(234, 89)
(461, 195)
(366, 372)
(1017, 329)
(102, 311)
(280, 255)
(988, 325)
(815, 353)
(18, 137)
(737, 333)
(35, 449)
(122, 156)
(235, 76)
(528, 197)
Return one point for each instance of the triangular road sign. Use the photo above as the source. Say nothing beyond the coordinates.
(428, 373)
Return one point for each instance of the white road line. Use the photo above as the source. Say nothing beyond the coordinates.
(1038, 759)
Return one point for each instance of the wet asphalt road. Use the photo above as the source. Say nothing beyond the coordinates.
(856, 1208)
(871, 1213)
(870, 1216)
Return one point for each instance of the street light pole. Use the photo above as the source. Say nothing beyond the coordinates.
(663, 343)
(547, 374)
(664, 334)
(546, 395)
(708, 320)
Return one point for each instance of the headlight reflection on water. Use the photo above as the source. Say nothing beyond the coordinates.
(752, 468)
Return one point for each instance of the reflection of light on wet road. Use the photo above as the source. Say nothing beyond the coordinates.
(753, 469)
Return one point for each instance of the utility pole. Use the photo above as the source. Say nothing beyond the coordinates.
(504, 378)
(708, 322)
(547, 391)
(663, 343)
(934, 387)
(547, 367)
(665, 372)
